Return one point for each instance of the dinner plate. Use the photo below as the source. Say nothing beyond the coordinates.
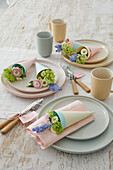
(83, 146)
(98, 57)
(93, 129)
(60, 82)
(22, 85)
(104, 60)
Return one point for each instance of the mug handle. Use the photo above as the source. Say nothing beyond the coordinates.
(111, 90)
(50, 26)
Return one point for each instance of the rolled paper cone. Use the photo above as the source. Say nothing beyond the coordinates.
(94, 50)
(74, 106)
(25, 64)
(68, 118)
(77, 47)
(39, 68)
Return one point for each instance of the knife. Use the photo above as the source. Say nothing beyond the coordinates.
(10, 123)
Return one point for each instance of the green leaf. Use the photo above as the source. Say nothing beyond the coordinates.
(30, 85)
(7, 74)
(31, 81)
(23, 75)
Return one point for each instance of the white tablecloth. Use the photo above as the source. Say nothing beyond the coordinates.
(17, 146)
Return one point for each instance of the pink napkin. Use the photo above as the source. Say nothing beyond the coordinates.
(94, 50)
(79, 75)
(28, 117)
(47, 138)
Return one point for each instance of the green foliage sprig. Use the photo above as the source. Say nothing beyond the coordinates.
(7, 74)
(48, 75)
(67, 49)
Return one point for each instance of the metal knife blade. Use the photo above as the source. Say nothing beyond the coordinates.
(32, 107)
(10, 123)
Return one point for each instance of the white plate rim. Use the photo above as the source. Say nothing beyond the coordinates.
(87, 138)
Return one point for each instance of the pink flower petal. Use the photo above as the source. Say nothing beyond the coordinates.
(37, 84)
(16, 72)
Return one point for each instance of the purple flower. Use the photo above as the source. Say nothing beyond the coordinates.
(59, 48)
(55, 87)
(73, 58)
(42, 128)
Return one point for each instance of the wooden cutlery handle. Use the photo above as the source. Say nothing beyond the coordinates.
(87, 89)
(75, 90)
(9, 126)
(5, 122)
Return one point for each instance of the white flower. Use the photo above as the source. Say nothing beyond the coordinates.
(39, 78)
(54, 119)
(83, 51)
(44, 83)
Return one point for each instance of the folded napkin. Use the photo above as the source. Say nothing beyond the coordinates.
(47, 138)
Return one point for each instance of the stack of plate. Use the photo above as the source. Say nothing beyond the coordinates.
(103, 58)
(19, 88)
(93, 136)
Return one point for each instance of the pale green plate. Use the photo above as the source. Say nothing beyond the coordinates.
(84, 146)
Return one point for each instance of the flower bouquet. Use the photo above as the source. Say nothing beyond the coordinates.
(45, 77)
(18, 71)
(77, 52)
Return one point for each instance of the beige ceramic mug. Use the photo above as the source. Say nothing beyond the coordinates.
(101, 82)
(58, 28)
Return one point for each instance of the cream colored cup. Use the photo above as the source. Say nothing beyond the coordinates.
(58, 28)
(101, 82)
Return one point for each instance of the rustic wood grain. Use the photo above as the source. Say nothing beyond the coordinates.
(18, 28)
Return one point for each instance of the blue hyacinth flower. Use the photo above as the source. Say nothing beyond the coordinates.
(59, 48)
(54, 87)
(42, 128)
(73, 58)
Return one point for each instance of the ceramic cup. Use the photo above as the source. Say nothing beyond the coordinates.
(101, 82)
(44, 43)
(58, 28)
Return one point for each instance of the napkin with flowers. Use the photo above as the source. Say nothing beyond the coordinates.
(57, 124)
(18, 70)
(77, 52)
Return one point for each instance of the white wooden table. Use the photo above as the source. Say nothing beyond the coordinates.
(18, 28)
